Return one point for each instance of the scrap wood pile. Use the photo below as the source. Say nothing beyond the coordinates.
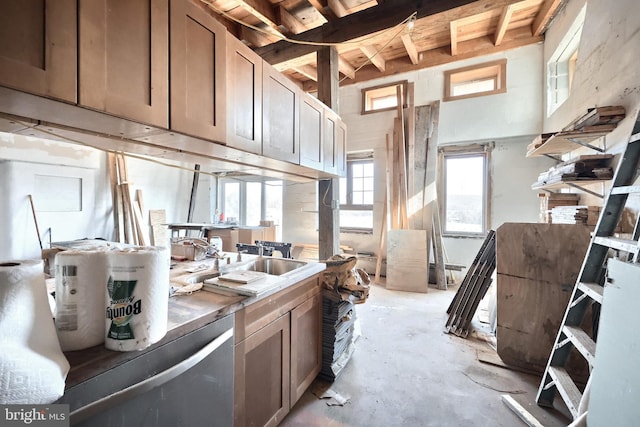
(344, 285)
(549, 201)
(593, 124)
(586, 215)
(344, 280)
(585, 167)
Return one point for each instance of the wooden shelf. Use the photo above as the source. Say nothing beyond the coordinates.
(576, 183)
(563, 142)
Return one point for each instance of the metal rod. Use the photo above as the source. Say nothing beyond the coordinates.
(35, 220)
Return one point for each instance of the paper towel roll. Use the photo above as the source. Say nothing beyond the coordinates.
(80, 299)
(32, 366)
(137, 295)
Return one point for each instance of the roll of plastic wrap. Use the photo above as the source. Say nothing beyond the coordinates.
(137, 297)
(33, 368)
(80, 300)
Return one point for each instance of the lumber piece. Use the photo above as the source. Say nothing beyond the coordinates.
(407, 263)
(441, 278)
(519, 410)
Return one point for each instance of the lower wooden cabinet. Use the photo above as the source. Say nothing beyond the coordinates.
(306, 346)
(278, 353)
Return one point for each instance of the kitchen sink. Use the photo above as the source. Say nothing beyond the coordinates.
(273, 266)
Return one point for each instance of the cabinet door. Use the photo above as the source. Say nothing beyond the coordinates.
(262, 375)
(197, 72)
(329, 141)
(306, 345)
(280, 119)
(123, 58)
(244, 97)
(341, 149)
(311, 124)
(38, 47)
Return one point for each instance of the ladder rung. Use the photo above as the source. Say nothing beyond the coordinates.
(594, 290)
(627, 189)
(567, 389)
(582, 342)
(626, 245)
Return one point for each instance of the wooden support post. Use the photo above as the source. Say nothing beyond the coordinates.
(328, 190)
(438, 256)
(329, 221)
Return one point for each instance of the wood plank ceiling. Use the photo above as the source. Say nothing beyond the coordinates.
(383, 37)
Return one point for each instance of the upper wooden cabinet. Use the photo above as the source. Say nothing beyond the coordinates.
(123, 58)
(280, 116)
(311, 129)
(334, 144)
(341, 149)
(198, 72)
(244, 97)
(38, 44)
(329, 141)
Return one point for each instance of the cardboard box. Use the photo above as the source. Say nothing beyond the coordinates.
(229, 237)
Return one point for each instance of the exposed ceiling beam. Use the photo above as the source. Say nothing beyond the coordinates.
(262, 10)
(346, 68)
(410, 47)
(307, 71)
(253, 37)
(507, 12)
(377, 18)
(453, 29)
(338, 8)
(543, 17)
(321, 6)
(469, 49)
(290, 22)
(374, 56)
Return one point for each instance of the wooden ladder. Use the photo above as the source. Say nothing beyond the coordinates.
(590, 282)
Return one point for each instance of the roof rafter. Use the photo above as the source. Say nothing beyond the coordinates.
(505, 17)
(410, 47)
(547, 11)
(374, 56)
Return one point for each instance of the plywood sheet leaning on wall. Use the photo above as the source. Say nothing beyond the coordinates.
(537, 266)
(407, 262)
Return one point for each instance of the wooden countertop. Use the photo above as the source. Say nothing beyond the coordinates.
(186, 313)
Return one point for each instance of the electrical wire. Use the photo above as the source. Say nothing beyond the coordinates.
(209, 3)
(406, 24)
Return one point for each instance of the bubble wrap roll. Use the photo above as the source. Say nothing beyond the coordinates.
(137, 292)
(33, 368)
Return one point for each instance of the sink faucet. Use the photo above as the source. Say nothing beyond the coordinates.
(260, 249)
(239, 257)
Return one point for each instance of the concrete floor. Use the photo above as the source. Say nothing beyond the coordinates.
(406, 371)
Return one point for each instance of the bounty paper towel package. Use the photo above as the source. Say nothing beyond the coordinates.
(80, 299)
(33, 368)
(137, 297)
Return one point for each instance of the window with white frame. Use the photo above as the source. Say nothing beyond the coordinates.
(356, 196)
(248, 201)
(562, 65)
(465, 190)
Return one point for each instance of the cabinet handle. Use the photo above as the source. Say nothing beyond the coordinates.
(150, 383)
